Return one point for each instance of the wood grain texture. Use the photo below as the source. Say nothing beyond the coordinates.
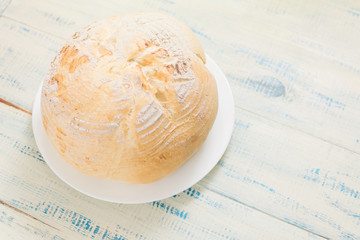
(3, 5)
(294, 156)
(291, 175)
(24, 61)
(291, 59)
(29, 185)
(15, 225)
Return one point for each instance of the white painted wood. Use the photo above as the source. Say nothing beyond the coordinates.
(15, 225)
(198, 213)
(3, 5)
(294, 69)
(25, 56)
(294, 62)
(291, 175)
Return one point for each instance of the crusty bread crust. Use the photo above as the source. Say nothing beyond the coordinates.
(129, 98)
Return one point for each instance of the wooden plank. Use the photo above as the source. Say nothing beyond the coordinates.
(80, 13)
(292, 176)
(15, 225)
(306, 196)
(3, 5)
(25, 55)
(351, 6)
(27, 184)
(293, 62)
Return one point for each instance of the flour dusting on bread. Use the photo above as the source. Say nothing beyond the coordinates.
(133, 93)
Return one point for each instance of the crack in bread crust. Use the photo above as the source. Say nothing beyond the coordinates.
(129, 98)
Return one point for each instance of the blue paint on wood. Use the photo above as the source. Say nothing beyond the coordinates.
(79, 223)
(343, 208)
(167, 2)
(329, 180)
(299, 224)
(24, 149)
(105, 234)
(354, 12)
(230, 171)
(13, 82)
(200, 33)
(354, 215)
(3, 5)
(282, 68)
(58, 19)
(170, 209)
(247, 179)
(349, 236)
(96, 229)
(273, 87)
(241, 124)
(328, 101)
(266, 85)
(4, 216)
(192, 193)
(26, 29)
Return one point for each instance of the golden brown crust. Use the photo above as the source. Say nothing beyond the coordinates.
(129, 98)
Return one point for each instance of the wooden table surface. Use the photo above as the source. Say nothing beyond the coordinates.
(292, 169)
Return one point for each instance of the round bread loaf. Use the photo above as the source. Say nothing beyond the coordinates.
(129, 98)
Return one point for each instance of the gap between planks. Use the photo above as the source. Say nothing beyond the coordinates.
(14, 106)
(298, 130)
(26, 214)
(3, 11)
(62, 38)
(37, 29)
(249, 111)
(256, 209)
(212, 190)
(240, 108)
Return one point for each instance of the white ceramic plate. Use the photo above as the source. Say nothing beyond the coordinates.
(187, 175)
